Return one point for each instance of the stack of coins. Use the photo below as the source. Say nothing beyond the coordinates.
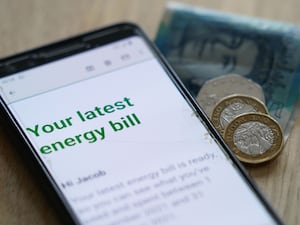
(237, 109)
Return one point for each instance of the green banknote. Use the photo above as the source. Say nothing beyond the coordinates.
(202, 44)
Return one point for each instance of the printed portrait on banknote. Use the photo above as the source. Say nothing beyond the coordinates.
(201, 44)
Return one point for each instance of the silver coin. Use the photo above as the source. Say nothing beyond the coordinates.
(215, 89)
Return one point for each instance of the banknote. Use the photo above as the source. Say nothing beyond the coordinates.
(202, 44)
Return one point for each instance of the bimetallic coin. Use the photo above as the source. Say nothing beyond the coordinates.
(215, 89)
(232, 106)
(254, 138)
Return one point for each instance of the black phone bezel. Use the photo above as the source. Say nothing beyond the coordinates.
(71, 46)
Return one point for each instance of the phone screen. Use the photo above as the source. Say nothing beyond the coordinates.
(123, 144)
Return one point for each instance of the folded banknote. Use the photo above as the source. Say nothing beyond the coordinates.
(202, 44)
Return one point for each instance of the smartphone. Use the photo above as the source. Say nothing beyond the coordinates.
(116, 139)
